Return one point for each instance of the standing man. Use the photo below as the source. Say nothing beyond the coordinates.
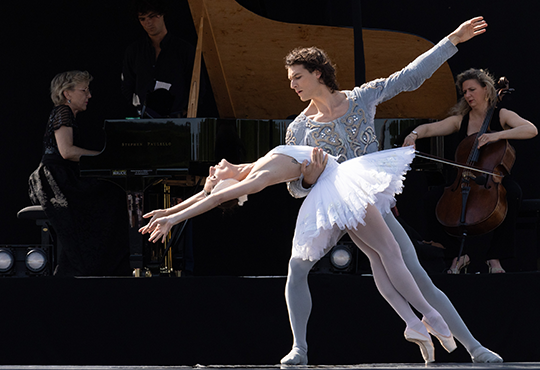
(159, 65)
(341, 123)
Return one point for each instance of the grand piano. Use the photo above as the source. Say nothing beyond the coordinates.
(142, 154)
(243, 53)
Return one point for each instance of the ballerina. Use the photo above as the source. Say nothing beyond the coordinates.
(350, 196)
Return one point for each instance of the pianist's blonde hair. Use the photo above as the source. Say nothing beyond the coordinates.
(66, 81)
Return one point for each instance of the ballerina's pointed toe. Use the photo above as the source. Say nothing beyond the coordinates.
(447, 341)
(425, 344)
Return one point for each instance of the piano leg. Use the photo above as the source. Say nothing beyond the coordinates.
(136, 241)
(147, 258)
(166, 267)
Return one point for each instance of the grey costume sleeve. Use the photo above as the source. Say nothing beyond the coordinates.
(413, 75)
(296, 136)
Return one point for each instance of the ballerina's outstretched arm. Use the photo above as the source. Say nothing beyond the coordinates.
(159, 227)
(268, 170)
(158, 213)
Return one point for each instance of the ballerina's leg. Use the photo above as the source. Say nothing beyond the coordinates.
(415, 331)
(378, 237)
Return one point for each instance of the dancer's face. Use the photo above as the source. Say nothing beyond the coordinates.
(304, 82)
(221, 171)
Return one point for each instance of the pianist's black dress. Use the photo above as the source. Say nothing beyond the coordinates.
(88, 215)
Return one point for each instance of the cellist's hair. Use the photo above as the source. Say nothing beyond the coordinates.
(484, 78)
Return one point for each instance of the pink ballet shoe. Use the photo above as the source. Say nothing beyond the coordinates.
(425, 344)
(447, 341)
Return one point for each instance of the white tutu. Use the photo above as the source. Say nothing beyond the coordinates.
(343, 191)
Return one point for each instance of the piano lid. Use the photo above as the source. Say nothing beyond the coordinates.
(244, 55)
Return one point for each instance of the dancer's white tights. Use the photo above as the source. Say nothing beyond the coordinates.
(299, 298)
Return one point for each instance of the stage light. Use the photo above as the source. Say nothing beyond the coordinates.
(26, 260)
(36, 260)
(7, 260)
(341, 256)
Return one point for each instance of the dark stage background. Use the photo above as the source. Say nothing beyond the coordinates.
(41, 39)
(232, 320)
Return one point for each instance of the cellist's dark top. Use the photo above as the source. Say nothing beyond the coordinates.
(495, 124)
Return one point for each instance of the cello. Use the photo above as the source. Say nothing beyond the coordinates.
(475, 203)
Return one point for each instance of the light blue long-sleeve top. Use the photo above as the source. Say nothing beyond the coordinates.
(353, 134)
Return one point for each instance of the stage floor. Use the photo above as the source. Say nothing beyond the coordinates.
(180, 323)
(389, 366)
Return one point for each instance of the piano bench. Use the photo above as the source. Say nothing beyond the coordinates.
(38, 214)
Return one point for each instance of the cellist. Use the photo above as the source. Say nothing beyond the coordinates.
(466, 118)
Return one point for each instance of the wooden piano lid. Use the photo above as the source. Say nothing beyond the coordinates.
(244, 55)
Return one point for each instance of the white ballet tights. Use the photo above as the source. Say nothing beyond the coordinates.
(392, 278)
(298, 296)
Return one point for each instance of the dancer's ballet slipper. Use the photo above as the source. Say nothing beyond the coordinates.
(295, 357)
(447, 341)
(482, 354)
(425, 344)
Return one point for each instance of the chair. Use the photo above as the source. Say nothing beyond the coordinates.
(48, 236)
(38, 214)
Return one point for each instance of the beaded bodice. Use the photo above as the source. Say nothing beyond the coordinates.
(347, 137)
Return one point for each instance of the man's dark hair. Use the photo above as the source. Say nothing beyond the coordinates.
(149, 6)
(314, 59)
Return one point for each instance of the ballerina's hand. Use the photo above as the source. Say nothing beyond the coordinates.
(161, 228)
(155, 214)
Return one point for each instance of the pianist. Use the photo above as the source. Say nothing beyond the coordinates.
(89, 216)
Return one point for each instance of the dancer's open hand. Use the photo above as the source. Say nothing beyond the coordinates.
(155, 214)
(161, 228)
(468, 29)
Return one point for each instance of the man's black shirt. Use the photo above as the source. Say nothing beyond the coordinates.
(174, 65)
